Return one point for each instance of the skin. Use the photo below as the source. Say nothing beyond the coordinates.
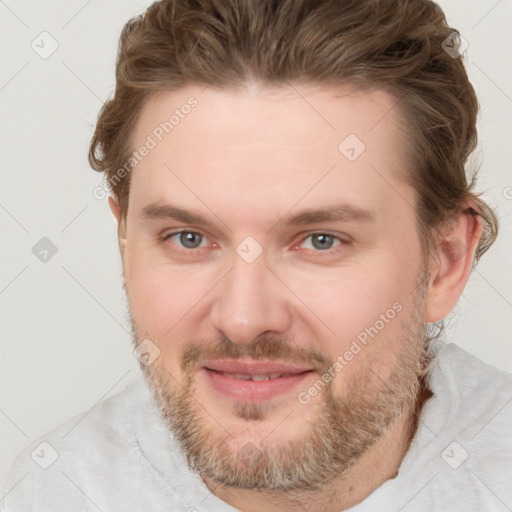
(246, 160)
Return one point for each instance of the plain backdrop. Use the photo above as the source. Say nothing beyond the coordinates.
(65, 343)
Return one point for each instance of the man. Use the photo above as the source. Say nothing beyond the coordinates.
(294, 213)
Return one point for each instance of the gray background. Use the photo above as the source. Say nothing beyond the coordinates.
(65, 344)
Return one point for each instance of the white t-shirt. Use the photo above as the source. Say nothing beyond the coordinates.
(122, 457)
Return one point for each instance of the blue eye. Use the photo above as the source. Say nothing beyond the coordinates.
(187, 239)
(321, 241)
(190, 240)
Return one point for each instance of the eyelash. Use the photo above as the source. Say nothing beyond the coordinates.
(165, 238)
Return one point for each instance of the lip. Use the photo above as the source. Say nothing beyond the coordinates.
(249, 367)
(248, 390)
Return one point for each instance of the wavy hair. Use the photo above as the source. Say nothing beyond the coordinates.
(394, 45)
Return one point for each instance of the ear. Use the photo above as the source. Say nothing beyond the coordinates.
(115, 208)
(452, 262)
(113, 202)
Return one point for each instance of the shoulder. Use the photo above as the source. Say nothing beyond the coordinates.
(460, 458)
(478, 394)
(119, 455)
(468, 425)
(58, 463)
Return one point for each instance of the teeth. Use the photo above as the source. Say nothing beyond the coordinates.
(260, 377)
(252, 377)
(238, 376)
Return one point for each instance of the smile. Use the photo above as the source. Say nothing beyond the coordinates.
(241, 376)
(253, 381)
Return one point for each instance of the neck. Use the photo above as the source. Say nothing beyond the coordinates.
(380, 463)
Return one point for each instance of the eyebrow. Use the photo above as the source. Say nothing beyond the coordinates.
(336, 213)
(169, 212)
(343, 212)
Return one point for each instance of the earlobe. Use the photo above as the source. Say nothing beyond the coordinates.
(453, 259)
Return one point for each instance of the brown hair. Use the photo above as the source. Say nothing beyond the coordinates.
(395, 45)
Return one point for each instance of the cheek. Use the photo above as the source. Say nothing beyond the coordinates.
(162, 297)
(362, 328)
(342, 306)
(362, 297)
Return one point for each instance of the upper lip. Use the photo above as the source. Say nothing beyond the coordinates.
(253, 367)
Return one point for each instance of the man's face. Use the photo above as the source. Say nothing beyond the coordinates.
(275, 262)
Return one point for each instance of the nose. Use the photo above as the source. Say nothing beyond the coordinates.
(249, 302)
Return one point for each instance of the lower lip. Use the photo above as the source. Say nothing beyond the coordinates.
(251, 390)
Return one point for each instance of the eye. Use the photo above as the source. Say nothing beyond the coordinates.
(321, 241)
(187, 239)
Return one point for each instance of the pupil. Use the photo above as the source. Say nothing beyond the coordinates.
(190, 240)
(322, 241)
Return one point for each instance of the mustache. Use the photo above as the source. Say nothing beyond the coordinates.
(268, 348)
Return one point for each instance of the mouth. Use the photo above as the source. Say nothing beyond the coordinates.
(257, 378)
(253, 381)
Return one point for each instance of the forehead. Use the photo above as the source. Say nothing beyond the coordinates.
(271, 147)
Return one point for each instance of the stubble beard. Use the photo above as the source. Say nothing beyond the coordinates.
(343, 428)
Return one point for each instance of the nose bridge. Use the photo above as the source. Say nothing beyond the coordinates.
(249, 302)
